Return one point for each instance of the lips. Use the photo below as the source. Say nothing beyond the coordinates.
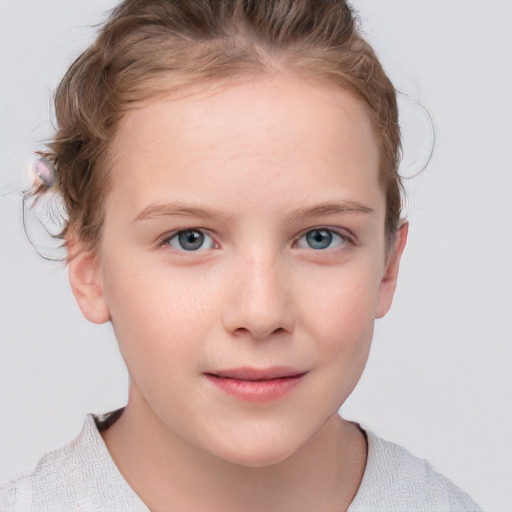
(254, 374)
(256, 385)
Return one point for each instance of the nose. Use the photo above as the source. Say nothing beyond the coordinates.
(259, 301)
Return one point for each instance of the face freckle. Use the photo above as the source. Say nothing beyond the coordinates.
(242, 262)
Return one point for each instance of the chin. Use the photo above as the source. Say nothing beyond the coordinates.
(256, 458)
(256, 450)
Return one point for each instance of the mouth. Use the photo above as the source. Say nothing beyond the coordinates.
(256, 385)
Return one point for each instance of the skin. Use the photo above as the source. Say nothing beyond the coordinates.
(254, 167)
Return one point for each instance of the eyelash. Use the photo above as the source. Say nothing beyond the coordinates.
(341, 238)
(167, 241)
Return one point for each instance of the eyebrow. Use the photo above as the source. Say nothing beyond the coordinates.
(173, 209)
(334, 208)
(178, 209)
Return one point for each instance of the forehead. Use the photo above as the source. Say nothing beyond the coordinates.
(278, 134)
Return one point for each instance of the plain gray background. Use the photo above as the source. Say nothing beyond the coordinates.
(439, 379)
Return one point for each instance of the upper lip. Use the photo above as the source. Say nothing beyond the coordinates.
(256, 374)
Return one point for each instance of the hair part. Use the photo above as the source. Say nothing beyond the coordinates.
(149, 48)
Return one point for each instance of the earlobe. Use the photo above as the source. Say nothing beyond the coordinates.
(389, 279)
(86, 283)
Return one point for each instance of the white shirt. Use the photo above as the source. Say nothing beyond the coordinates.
(83, 477)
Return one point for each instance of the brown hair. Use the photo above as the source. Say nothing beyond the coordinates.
(152, 47)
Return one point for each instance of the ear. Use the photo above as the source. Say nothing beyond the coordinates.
(389, 279)
(85, 277)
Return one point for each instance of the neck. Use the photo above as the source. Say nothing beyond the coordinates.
(167, 471)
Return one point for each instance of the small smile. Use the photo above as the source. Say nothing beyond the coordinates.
(256, 385)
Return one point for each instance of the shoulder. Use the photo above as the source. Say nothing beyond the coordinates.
(78, 476)
(396, 481)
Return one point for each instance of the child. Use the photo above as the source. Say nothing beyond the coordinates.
(229, 172)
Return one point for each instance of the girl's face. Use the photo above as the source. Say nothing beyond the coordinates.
(242, 263)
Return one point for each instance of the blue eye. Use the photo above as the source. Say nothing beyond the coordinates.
(319, 239)
(191, 240)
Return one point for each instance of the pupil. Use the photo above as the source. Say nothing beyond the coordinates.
(191, 240)
(319, 239)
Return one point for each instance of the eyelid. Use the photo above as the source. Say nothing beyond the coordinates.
(164, 240)
(345, 234)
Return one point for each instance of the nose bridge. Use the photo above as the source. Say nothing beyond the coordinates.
(259, 302)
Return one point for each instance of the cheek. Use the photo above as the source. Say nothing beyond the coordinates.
(157, 313)
(343, 332)
(341, 308)
(340, 319)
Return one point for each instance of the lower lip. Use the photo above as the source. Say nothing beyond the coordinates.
(256, 390)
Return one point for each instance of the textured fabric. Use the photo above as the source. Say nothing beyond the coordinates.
(396, 481)
(79, 477)
(83, 477)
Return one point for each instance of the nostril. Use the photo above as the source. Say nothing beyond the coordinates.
(259, 333)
